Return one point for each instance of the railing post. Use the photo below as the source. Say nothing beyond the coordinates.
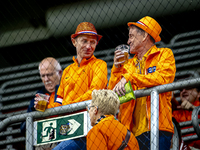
(195, 120)
(154, 142)
(29, 133)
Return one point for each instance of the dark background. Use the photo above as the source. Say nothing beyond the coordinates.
(23, 81)
(18, 14)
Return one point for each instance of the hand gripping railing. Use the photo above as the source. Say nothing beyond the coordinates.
(154, 91)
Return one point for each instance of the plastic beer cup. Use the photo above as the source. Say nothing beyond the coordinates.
(125, 50)
(42, 103)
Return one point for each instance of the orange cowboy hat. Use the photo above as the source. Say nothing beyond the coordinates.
(149, 25)
(86, 28)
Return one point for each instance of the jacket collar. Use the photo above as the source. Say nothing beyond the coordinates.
(104, 118)
(56, 89)
(84, 60)
(152, 51)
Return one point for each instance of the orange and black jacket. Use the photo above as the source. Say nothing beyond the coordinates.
(108, 134)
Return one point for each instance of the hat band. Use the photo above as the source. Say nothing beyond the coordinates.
(139, 22)
(82, 32)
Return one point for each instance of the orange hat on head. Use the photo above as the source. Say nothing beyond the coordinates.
(86, 28)
(149, 25)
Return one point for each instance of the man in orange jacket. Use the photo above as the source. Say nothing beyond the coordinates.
(150, 66)
(82, 77)
(87, 72)
(190, 98)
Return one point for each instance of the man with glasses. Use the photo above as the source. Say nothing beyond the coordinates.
(50, 73)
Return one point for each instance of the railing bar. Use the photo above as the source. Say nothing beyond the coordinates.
(29, 132)
(154, 120)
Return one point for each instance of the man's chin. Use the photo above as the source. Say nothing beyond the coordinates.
(133, 52)
(87, 56)
(49, 88)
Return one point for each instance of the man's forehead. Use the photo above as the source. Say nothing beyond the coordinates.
(46, 70)
(132, 29)
(47, 66)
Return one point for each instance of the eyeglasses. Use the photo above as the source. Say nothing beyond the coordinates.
(88, 107)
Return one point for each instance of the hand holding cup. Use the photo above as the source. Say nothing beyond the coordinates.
(41, 101)
(121, 55)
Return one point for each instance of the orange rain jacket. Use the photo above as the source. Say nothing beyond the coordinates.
(182, 115)
(108, 134)
(160, 69)
(78, 82)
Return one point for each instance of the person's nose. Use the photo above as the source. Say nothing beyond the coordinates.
(128, 42)
(88, 46)
(46, 78)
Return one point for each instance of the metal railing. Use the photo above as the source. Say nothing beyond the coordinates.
(154, 91)
(25, 79)
(195, 120)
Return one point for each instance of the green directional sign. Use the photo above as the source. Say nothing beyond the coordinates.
(60, 128)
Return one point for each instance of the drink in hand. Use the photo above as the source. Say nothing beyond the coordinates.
(125, 50)
(42, 103)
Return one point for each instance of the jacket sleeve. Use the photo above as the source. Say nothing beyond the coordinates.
(164, 73)
(30, 109)
(99, 80)
(115, 77)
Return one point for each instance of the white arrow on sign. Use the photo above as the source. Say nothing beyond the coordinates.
(74, 125)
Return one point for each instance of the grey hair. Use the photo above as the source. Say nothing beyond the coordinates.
(106, 100)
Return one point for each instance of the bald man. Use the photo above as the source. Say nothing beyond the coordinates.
(50, 73)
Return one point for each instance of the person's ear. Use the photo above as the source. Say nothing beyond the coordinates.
(145, 36)
(60, 73)
(95, 110)
(74, 42)
(97, 41)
